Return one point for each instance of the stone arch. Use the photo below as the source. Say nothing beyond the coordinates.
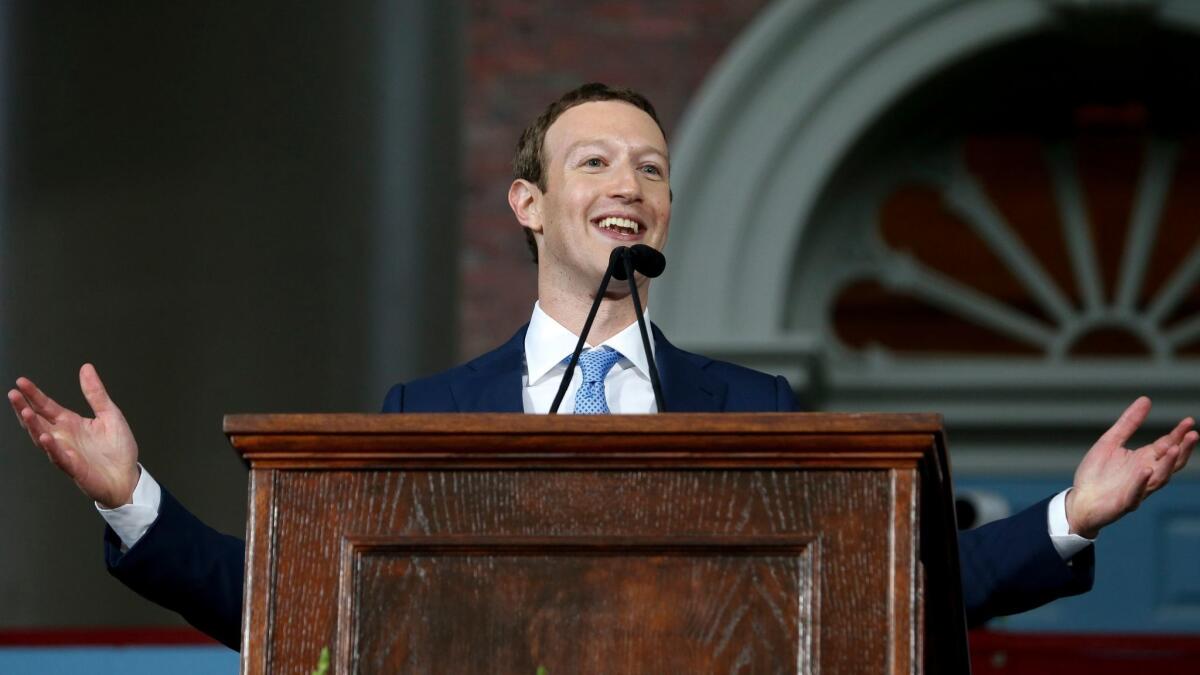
(760, 150)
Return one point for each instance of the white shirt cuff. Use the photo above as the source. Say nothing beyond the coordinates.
(132, 520)
(1065, 543)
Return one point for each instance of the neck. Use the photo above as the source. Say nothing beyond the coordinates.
(615, 314)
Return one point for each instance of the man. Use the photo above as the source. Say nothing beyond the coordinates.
(592, 172)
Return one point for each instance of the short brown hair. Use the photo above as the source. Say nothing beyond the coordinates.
(530, 164)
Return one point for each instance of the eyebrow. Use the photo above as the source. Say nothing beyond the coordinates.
(600, 141)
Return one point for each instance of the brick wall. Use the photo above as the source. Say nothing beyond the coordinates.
(521, 56)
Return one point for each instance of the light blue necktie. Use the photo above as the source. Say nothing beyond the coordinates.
(594, 364)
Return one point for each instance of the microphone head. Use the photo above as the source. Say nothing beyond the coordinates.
(616, 264)
(649, 261)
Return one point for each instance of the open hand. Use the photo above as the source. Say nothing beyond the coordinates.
(99, 454)
(1112, 480)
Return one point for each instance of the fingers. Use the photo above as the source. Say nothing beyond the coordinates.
(29, 419)
(1183, 436)
(40, 402)
(1176, 435)
(36, 426)
(60, 456)
(1162, 467)
(17, 402)
(94, 391)
(40, 431)
(1128, 423)
(1161, 447)
(1138, 489)
(1185, 450)
(21, 409)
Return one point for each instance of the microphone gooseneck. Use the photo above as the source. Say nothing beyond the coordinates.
(654, 262)
(614, 263)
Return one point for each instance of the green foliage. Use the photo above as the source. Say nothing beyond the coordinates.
(322, 663)
(542, 671)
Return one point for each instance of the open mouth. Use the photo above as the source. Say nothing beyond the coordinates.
(619, 226)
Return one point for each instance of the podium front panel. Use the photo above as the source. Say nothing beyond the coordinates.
(675, 571)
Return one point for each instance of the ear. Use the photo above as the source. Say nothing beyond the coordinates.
(525, 200)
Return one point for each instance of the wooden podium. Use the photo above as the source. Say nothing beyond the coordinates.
(681, 543)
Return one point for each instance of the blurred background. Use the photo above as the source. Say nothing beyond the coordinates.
(985, 208)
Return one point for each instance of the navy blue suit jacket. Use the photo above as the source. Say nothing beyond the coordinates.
(182, 564)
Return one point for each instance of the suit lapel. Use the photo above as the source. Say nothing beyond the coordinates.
(686, 386)
(493, 383)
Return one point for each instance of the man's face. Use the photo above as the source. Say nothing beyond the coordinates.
(607, 185)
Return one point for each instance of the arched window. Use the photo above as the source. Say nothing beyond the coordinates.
(988, 209)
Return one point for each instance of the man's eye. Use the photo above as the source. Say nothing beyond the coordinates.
(652, 170)
(593, 163)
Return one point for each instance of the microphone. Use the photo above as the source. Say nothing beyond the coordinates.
(649, 261)
(614, 263)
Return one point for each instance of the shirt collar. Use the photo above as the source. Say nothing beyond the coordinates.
(547, 343)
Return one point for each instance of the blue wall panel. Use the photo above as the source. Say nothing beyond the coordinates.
(1147, 564)
(206, 660)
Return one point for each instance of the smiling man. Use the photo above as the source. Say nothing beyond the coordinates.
(592, 172)
(600, 179)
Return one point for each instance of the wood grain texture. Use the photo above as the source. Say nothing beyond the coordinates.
(491, 424)
(580, 605)
(260, 559)
(609, 505)
(617, 441)
(906, 603)
(795, 545)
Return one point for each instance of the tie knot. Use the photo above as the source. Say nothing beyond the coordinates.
(594, 364)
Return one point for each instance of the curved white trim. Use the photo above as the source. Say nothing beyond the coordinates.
(755, 158)
(817, 74)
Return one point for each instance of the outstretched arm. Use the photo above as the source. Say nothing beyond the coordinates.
(179, 562)
(185, 566)
(1010, 565)
(1113, 480)
(99, 454)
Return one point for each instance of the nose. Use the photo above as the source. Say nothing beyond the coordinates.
(626, 184)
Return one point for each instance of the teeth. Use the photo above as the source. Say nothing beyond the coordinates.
(624, 225)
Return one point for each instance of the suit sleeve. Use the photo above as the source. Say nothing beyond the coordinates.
(394, 400)
(187, 567)
(785, 398)
(190, 568)
(1011, 566)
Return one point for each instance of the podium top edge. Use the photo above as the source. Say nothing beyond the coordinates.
(523, 424)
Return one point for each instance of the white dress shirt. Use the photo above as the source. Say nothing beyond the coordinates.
(626, 387)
